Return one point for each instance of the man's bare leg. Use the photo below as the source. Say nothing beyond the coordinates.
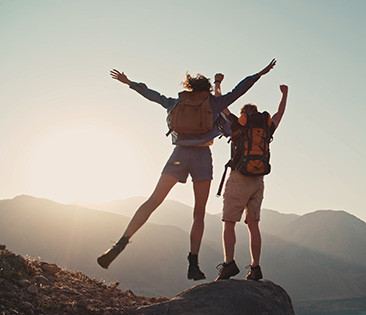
(228, 268)
(229, 241)
(255, 272)
(255, 242)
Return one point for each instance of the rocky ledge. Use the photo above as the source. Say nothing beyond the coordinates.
(227, 297)
(33, 287)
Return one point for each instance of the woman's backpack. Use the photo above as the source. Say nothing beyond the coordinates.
(192, 115)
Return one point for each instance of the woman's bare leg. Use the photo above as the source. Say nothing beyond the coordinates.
(201, 192)
(164, 185)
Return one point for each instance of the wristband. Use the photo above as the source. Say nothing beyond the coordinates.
(217, 81)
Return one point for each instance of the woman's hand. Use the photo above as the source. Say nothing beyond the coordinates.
(120, 76)
(268, 68)
(219, 77)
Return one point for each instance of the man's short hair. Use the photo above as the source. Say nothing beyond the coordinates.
(249, 108)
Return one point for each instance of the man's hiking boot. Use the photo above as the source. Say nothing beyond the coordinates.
(254, 273)
(227, 270)
(105, 259)
(194, 271)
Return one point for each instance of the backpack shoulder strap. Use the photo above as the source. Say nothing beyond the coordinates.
(218, 194)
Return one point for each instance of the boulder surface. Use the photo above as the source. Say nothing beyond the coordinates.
(227, 297)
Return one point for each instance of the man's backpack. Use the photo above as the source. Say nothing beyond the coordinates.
(192, 115)
(250, 140)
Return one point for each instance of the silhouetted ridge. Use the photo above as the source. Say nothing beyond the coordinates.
(336, 233)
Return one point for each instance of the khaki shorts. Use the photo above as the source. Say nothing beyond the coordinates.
(243, 193)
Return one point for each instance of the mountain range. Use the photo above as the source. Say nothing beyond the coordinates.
(317, 256)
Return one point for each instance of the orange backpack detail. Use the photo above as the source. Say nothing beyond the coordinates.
(251, 144)
(250, 141)
(192, 115)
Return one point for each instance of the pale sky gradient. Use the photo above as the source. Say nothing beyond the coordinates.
(69, 132)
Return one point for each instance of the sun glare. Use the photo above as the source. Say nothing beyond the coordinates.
(80, 161)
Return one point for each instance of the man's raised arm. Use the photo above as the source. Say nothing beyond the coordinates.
(282, 106)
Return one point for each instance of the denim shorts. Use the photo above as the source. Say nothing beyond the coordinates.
(195, 161)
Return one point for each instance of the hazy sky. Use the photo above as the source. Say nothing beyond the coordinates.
(69, 132)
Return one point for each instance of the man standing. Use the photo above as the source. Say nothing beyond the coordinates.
(245, 192)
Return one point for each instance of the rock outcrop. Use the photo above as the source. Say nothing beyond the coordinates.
(227, 297)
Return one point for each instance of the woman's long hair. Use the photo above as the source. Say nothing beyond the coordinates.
(197, 83)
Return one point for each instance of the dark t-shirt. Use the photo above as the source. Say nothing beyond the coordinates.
(236, 126)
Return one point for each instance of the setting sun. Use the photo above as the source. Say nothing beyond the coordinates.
(83, 161)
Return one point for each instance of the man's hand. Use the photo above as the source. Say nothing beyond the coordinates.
(120, 76)
(276, 118)
(268, 68)
(219, 77)
(284, 89)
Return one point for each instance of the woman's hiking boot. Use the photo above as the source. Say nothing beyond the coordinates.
(194, 271)
(105, 259)
(227, 270)
(254, 273)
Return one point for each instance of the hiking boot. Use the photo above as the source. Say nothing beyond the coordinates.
(227, 270)
(194, 271)
(105, 259)
(254, 273)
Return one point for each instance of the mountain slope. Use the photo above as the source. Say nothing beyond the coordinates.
(155, 262)
(170, 212)
(177, 214)
(325, 254)
(336, 233)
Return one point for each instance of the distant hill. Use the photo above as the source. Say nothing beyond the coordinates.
(335, 233)
(170, 212)
(178, 214)
(325, 253)
(309, 256)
